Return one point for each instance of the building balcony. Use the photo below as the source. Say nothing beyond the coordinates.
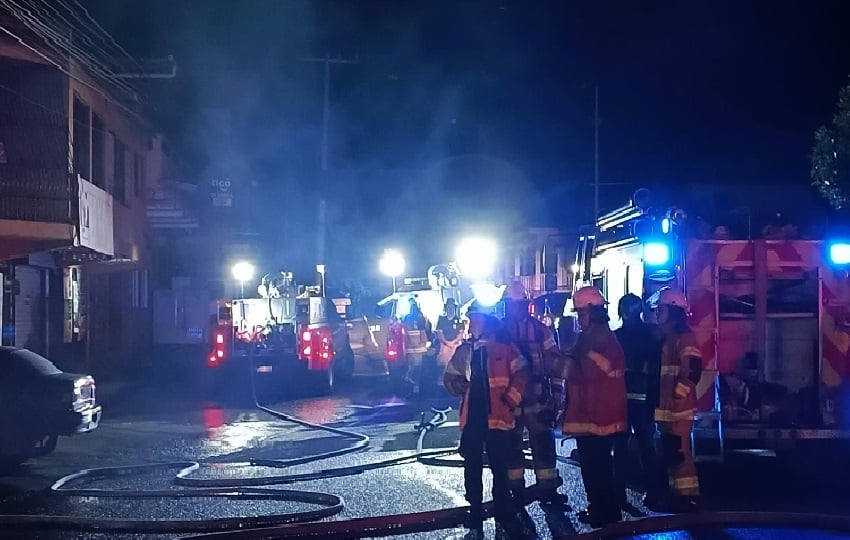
(34, 215)
(47, 215)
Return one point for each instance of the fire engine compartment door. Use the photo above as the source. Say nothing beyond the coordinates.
(768, 346)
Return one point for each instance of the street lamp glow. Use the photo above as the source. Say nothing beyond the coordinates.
(392, 263)
(243, 271)
(476, 257)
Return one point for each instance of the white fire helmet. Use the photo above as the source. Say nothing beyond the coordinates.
(587, 297)
(673, 297)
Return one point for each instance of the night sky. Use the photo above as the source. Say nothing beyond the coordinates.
(460, 102)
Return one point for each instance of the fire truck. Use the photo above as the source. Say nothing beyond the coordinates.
(430, 293)
(290, 333)
(771, 317)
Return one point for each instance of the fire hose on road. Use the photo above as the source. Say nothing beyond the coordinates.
(305, 524)
(235, 489)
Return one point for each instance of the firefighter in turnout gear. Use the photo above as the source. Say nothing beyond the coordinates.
(596, 412)
(491, 377)
(642, 351)
(681, 367)
(543, 401)
(417, 333)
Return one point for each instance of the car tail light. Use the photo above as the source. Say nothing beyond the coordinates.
(316, 347)
(395, 343)
(219, 350)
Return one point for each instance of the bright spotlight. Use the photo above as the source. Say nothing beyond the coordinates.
(243, 271)
(574, 268)
(656, 253)
(839, 253)
(392, 263)
(487, 294)
(476, 257)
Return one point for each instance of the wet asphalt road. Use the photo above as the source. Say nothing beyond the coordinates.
(166, 422)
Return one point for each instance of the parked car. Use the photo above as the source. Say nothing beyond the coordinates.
(38, 404)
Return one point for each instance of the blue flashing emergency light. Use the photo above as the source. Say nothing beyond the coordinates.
(656, 253)
(665, 226)
(839, 253)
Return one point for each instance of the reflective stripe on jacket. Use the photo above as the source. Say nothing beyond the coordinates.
(507, 373)
(417, 330)
(537, 344)
(676, 354)
(595, 384)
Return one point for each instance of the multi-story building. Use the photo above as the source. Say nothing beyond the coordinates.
(76, 164)
(541, 257)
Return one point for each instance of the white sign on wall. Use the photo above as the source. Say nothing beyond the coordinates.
(220, 193)
(96, 230)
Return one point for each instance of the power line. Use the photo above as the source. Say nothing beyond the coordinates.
(51, 35)
(69, 74)
(107, 34)
(57, 112)
(56, 31)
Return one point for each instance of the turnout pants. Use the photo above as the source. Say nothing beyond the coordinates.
(641, 429)
(676, 449)
(597, 472)
(474, 441)
(542, 439)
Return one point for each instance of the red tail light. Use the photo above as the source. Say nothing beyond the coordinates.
(395, 343)
(219, 350)
(316, 347)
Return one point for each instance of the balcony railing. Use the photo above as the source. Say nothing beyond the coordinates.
(38, 199)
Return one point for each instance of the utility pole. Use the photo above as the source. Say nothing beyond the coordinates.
(596, 154)
(320, 229)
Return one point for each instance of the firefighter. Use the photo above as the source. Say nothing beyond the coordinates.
(639, 343)
(491, 377)
(449, 332)
(596, 412)
(543, 401)
(681, 367)
(417, 335)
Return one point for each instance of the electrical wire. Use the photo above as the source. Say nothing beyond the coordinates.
(108, 35)
(66, 72)
(29, 24)
(60, 38)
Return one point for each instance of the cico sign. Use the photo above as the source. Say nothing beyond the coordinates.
(220, 194)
